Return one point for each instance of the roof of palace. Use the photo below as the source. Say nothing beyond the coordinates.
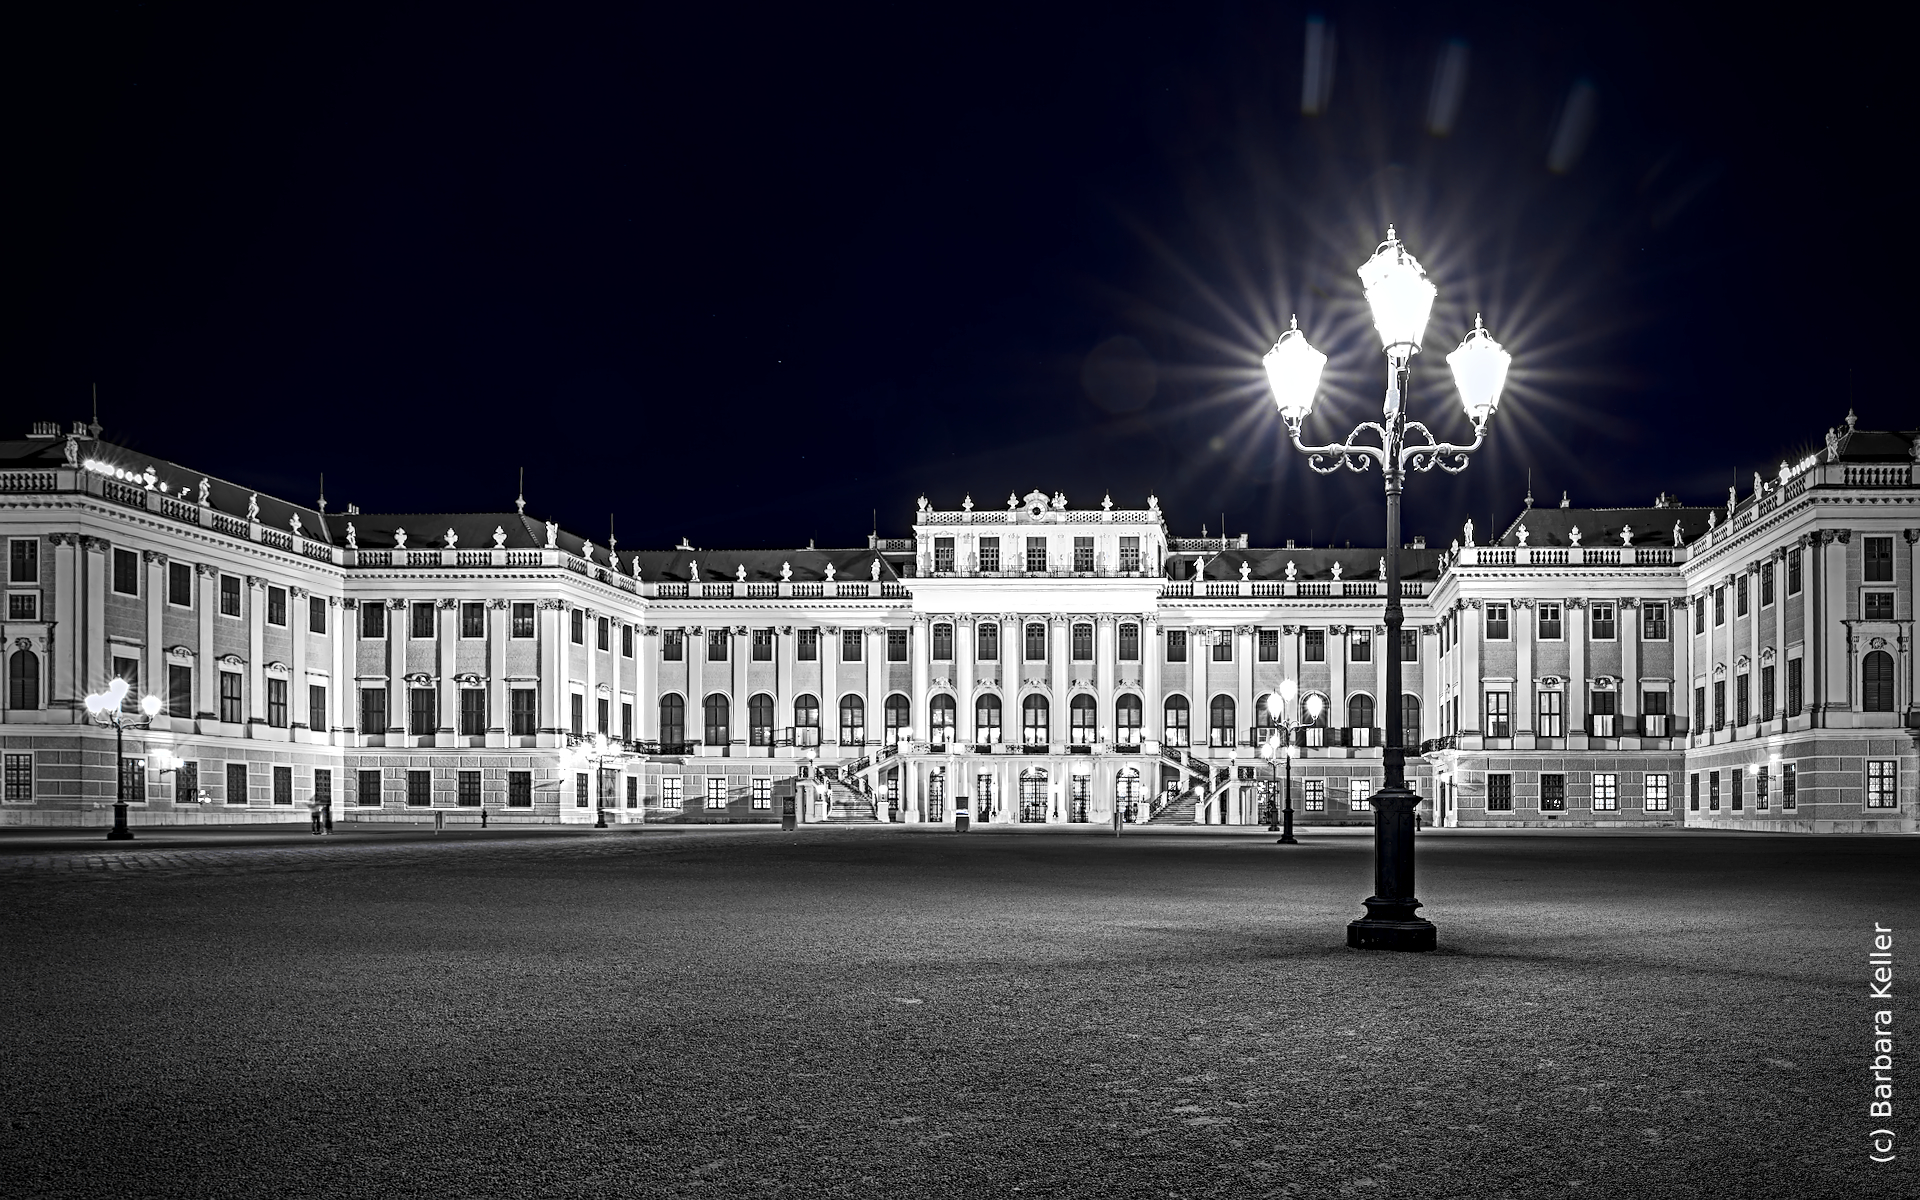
(1269, 565)
(1652, 525)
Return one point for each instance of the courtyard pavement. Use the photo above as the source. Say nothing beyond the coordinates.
(884, 1013)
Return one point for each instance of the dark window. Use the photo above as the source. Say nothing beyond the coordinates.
(20, 779)
(601, 707)
(1499, 793)
(1034, 721)
(522, 613)
(1129, 643)
(316, 614)
(1553, 793)
(988, 638)
(717, 640)
(316, 706)
(577, 626)
(128, 669)
(283, 785)
(1713, 791)
(1083, 725)
(898, 718)
(1653, 620)
(602, 634)
(276, 606)
(229, 595)
(1222, 645)
(421, 718)
(133, 779)
(1699, 708)
(1877, 606)
(1178, 721)
(369, 796)
(1550, 630)
(1742, 698)
(1036, 554)
(577, 715)
(525, 704)
(626, 719)
(1497, 627)
(277, 703)
(1360, 645)
(237, 783)
(126, 572)
(179, 689)
(473, 711)
(580, 790)
(1036, 642)
(1268, 641)
(853, 721)
(1736, 792)
(1314, 646)
(473, 619)
(519, 789)
(1360, 712)
(989, 554)
(468, 783)
(1766, 583)
(23, 560)
(896, 645)
(1693, 791)
(762, 642)
(1876, 682)
(626, 641)
(1129, 554)
(1789, 786)
(1176, 645)
(986, 719)
(1602, 620)
(850, 643)
(232, 711)
(1409, 720)
(419, 789)
(373, 619)
(943, 643)
(1220, 729)
(1409, 645)
(373, 710)
(807, 645)
(423, 619)
(943, 554)
(1793, 571)
(1700, 613)
(1877, 564)
(718, 713)
(180, 584)
(323, 786)
(1740, 596)
(1083, 643)
(760, 720)
(1083, 554)
(673, 645)
(673, 719)
(1720, 605)
(1794, 692)
(1719, 703)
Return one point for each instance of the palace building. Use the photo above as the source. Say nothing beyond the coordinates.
(1747, 665)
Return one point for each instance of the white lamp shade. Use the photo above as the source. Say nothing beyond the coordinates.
(116, 692)
(1293, 372)
(1480, 372)
(97, 703)
(150, 705)
(1288, 690)
(1399, 293)
(1314, 707)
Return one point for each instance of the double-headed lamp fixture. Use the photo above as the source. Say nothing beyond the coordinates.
(100, 703)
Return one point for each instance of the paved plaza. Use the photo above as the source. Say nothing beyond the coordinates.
(870, 1012)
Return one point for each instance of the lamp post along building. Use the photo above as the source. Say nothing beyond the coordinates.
(1747, 665)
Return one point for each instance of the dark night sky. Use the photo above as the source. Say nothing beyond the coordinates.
(746, 276)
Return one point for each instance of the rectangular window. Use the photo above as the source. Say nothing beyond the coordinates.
(717, 640)
(1497, 625)
(1553, 714)
(276, 606)
(1499, 716)
(1360, 645)
(1713, 791)
(943, 554)
(1699, 709)
(317, 706)
(1877, 561)
(1409, 645)
(237, 783)
(1549, 621)
(673, 645)
(1789, 786)
(1793, 571)
(1656, 784)
(1176, 645)
(1653, 620)
(1882, 774)
(519, 789)
(1653, 720)
(1606, 791)
(1081, 643)
(1720, 606)
(850, 642)
(1603, 710)
(1742, 698)
(1314, 646)
(419, 789)
(277, 703)
(421, 717)
(763, 787)
(133, 779)
(1740, 596)
(896, 645)
(807, 645)
(1693, 792)
(1036, 642)
(1766, 583)
(422, 619)
(633, 792)
(602, 634)
(232, 709)
(473, 619)
(987, 637)
(229, 595)
(1760, 782)
(1766, 693)
(373, 710)
(179, 689)
(473, 711)
(1358, 790)
(601, 707)
(20, 779)
(1129, 554)
(522, 619)
(283, 785)
(989, 554)
(1877, 606)
(180, 584)
(577, 724)
(762, 645)
(1083, 554)
(943, 642)
(580, 799)
(1602, 620)
(716, 791)
(626, 719)
(128, 669)
(670, 795)
(1129, 643)
(1268, 643)
(373, 619)
(626, 641)
(126, 572)
(1036, 554)
(526, 711)
(1700, 613)
(577, 626)
(1499, 793)
(369, 796)
(316, 614)
(1553, 793)
(1737, 790)
(1315, 792)
(323, 787)
(467, 789)
(23, 560)
(1719, 703)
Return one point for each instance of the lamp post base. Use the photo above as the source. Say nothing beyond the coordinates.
(1287, 838)
(120, 832)
(1391, 925)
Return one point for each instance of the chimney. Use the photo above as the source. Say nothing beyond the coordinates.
(45, 429)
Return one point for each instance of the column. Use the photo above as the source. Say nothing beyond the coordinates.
(646, 684)
(1753, 638)
(398, 630)
(1058, 660)
(784, 689)
(256, 650)
(740, 651)
(1013, 653)
(1243, 656)
(298, 622)
(1380, 697)
(964, 648)
(1106, 658)
(918, 652)
(1524, 631)
(342, 632)
(590, 707)
(1627, 627)
(499, 706)
(446, 613)
(1912, 538)
(553, 668)
(1430, 681)
(1779, 560)
(873, 652)
(96, 666)
(1576, 634)
(696, 652)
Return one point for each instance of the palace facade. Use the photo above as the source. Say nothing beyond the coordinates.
(1749, 665)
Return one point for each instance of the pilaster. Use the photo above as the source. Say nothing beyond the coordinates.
(446, 632)
(256, 617)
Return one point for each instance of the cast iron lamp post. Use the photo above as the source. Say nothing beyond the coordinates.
(1285, 720)
(1401, 298)
(104, 708)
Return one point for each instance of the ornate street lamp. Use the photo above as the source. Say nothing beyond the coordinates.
(1285, 720)
(104, 709)
(1401, 298)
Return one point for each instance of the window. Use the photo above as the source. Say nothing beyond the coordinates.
(1222, 642)
(323, 786)
(633, 792)
(987, 641)
(179, 689)
(1795, 692)
(989, 554)
(1656, 784)
(807, 645)
(1176, 645)
(1653, 620)
(1178, 721)
(1036, 554)
(1699, 708)
(1315, 794)
(373, 710)
(1713, 791)
(1360, 645)
(473, 619)
(1083, 721)
(806, 721)
(1034, 721)
(230, 596)
(1766, 693)
(673, 645)
(1497, 623)
(986, 718)
(317, 706)
(1876, 682)
(1360, 711)
(1877, 606)
(760, 720)
(1603, 711)
(282, 784)
(1129, 643)
(467, 789)
(1601, 620)
(369, 789)
(1314, 648)
(1499, 718)
(1606, 791)
(524, 705)
(853, 721)
(1737, 790)
(1553, 714)
(1719, 703)
(1789, 785)
(626, 719)
(1220, 728)
(237, 783)
(179, 584)
(1766, 583)
(1128, 720)
(522, 619)
(423, 619)
(1653, 707)
(1742, 698)
(850, 643)
(673, 719)
(23, 560)
(943, 554)
(943, 719)
(1877, 560)
(1693, 792)
(1358, 793)
(577, 716)
(943, 642)
(580, 789)
(1550, 630)
(1499, 793)
(1409, 721)
(128, 669)
(1083, 643)
(276, 606)
(1083, 554)
(126, 572)
(670, 795)
(762, 786)
(897, 726)
(603, 634)
(717, 640)
(373, 619)
(1740, 596)
(316, 614)
(277, 703)
(1553, 793)
(761, 642)
(473, 711)
(1267, 642)
(232, 711)
(421, 718)
(1409, 645)
(1793, 572)
(1760, 781)
(1720, 605)
(133, 780)
(1036, 642)
(577, 626)
(896, 645)
(716, 791)
(1129, 554)
(626, 641)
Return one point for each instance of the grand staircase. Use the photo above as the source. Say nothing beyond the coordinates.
(1199, 783)
(846, 806)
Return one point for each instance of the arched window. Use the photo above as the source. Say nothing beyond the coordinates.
(673, 718)
(1876, 682)
(1260, 716)
(1220, 722)
(1033, 721)
(806, 721)
(986, 718)
(760, 720)
(23, 680)
(853, 721)
(719, 720)
(1410, 721)
(942, 717)
(1179, 721)
(1082, 720)
(1127, 789)
(1127, 722)
(898, 716)
(1359, 711)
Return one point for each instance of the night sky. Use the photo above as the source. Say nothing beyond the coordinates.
(749, 275)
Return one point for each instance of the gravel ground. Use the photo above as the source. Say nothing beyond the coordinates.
(882, 1013)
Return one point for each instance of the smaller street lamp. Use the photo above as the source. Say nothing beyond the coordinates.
(1285, 719)
(105, 709)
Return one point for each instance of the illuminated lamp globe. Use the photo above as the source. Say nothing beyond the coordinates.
(1288, 690)
(1315, 706)
(1400, 295)
(1293, 372)
(150, 705)
(116, 692)
(96, 704)
(1480, 372)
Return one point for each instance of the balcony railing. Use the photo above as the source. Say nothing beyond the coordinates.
(1654, 725)
(1603, 725)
